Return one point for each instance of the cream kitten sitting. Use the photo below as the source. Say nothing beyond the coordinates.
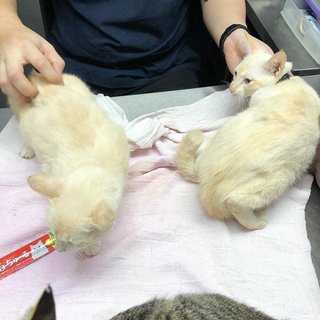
(84, 159)
(259, 153)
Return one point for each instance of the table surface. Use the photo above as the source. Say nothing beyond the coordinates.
(271, 27)
(140, 104)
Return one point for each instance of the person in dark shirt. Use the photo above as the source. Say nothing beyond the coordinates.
(118, 47)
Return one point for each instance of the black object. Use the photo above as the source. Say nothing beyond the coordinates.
(45, 309)
(227, 32)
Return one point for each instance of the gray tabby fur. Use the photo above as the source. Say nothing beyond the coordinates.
(182, 307)
(192, 306)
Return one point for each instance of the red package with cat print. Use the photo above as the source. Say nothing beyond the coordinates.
(27, 254)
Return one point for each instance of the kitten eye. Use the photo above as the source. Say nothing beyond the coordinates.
(235, 73)
(247, 80)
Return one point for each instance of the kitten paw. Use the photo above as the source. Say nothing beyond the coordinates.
(252, 220)
(26, 152)
(92, 250)
(259, 223)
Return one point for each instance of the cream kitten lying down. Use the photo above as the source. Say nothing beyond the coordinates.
(84, 157)
(260, 152)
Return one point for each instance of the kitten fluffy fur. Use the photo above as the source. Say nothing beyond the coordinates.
(84, 159)
(259, 153)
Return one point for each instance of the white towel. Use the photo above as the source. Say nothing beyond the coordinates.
(163, 242)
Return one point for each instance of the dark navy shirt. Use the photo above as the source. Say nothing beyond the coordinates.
(122, 43)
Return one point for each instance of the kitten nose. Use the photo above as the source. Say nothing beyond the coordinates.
(61, 247)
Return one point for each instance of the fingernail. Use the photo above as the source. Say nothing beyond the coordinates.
(59, 80)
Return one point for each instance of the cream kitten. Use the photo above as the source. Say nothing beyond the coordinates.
(259, 153)
(84, 159)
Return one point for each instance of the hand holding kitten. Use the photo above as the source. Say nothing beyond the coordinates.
(238, 45)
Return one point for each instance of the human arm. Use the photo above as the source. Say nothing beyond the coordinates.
(19, 46)
(218, 15)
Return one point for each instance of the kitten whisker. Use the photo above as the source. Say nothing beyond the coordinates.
(80, 255)
(224, 82)
(243, 102)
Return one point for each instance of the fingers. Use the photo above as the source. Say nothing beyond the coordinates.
(20, 46)
(43, 65)
(9, 89)
(56, 61)
(13, 81)
(17, 79)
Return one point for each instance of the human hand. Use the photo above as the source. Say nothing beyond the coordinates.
(239, 44)
(19, 46)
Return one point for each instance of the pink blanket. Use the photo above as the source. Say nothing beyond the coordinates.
(163, 243)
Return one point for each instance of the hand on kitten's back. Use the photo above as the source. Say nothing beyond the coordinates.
(84, 159)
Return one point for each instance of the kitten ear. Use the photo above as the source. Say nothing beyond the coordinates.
(276, 63)
(253, 45)
(45, 308)
(102, 217)
(46, 184)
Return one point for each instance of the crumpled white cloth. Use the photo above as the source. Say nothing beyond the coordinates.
(163, 242)
(145, 130)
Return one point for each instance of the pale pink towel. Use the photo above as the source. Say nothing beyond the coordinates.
(163, 243)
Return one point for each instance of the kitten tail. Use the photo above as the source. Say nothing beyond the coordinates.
(186, 155)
